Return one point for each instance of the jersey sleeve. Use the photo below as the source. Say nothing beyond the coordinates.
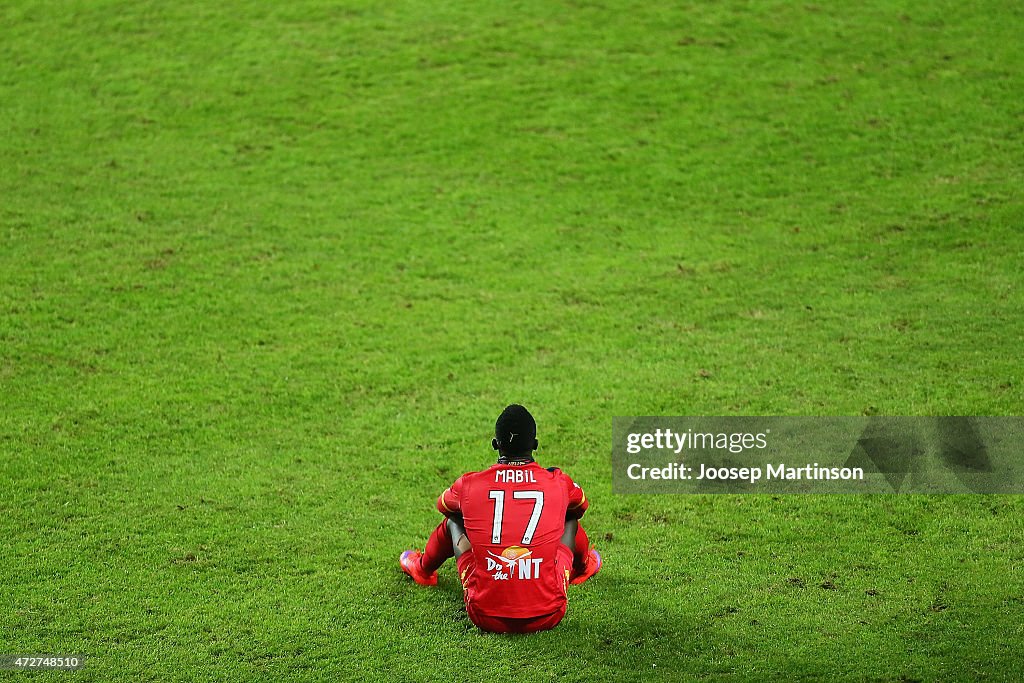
(577, 499)
(450, 501)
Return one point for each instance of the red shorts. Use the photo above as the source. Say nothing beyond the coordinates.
(485, 622)
(509, 625)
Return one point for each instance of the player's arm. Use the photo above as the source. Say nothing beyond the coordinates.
(449, 502)
(578, 503)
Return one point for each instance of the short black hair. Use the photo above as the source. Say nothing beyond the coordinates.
(516, 430)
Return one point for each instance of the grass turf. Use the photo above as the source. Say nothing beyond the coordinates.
(268, 273)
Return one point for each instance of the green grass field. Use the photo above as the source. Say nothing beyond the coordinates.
(269, 272)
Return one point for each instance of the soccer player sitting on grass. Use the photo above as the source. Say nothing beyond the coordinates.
(514, 531)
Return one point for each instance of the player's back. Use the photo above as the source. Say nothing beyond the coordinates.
(514, 516)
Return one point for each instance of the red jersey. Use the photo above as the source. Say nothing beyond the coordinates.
(514, 516)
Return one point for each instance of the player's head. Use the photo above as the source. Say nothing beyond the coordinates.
(515, 433)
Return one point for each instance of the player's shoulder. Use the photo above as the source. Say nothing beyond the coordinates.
(462, 479)
(467, 475)
(558, 473)
(476, 475)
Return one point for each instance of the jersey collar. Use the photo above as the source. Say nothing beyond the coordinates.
(515, 463)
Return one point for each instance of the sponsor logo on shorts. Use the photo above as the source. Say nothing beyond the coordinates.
(514, 561)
